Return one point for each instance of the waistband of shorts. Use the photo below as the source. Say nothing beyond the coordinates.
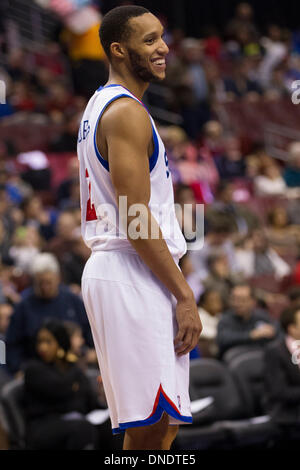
(127, 252)
(115, 250)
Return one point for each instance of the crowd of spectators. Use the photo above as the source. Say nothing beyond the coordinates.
(245, 276)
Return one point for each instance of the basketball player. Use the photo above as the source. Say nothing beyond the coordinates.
(142, 312)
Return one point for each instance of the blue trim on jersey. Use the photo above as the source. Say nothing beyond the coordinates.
(163, 405)
(117, 430)
(100, 158)
(108, 86)
(154, 156)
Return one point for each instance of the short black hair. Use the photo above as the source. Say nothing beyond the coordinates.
(57, 328)
(206, 293)
(288, 317)
(114, 26)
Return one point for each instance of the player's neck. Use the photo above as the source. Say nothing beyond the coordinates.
(136, 88)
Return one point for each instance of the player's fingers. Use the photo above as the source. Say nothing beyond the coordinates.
(186, 343)
(194, 340)
(179, 337)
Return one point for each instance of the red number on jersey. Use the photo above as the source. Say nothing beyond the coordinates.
(90, 208)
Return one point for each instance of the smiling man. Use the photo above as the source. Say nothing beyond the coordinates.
(142, 312)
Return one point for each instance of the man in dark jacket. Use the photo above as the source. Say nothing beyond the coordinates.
(243, 324)
(282, 371)
(47, 298)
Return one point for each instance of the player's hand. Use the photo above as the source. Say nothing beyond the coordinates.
(189, 326)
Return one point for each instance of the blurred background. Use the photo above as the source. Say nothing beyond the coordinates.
(228, 115)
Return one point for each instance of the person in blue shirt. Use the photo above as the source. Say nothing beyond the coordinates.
(46, 298)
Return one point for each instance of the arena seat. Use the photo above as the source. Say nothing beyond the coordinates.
(236, 351)
(11, 403)
(250, 120)
(247, 371)
(28, 132)
(234, 419)
(210, 378)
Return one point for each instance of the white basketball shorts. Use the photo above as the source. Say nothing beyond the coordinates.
(132, 318)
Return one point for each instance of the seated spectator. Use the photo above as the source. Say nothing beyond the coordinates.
(15, 187)
(241, 219)
(72, 264)
(220, 277)
(73, 201)
(36, 214)
(63, 191)
(67, 141)
(282, 371)
(212, 141)
(59, 99)
(57, 395)
(188, 165)
(283, 236)
(276, 88)
(65, 234)
(231, 164)
(257, 258)
(186, 78)
(216, 238)
(26, 244)
(210, 306)
(47, 298)
(244, 324)
(270, 181)
(241, 84)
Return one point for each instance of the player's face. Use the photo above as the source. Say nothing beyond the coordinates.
(147, 49)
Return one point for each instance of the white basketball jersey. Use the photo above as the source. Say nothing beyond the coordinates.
(100, 225)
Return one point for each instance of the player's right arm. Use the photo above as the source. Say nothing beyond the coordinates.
(128, 133)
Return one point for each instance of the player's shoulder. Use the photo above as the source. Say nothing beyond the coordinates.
(126, 112)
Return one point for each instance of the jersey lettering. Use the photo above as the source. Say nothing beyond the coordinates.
(84, 130)
(167, 165)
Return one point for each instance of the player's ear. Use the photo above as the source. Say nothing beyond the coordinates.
(117, 50)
